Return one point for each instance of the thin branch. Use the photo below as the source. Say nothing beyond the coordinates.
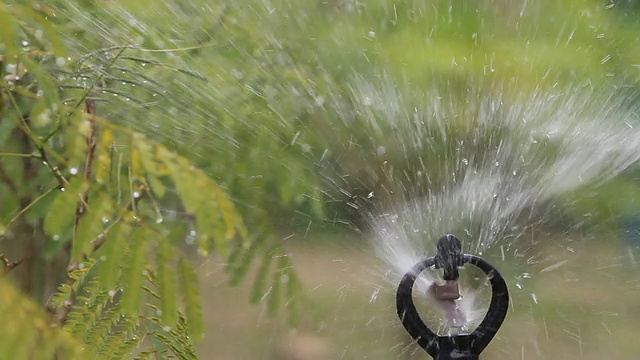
(31, 204)
(90, 109)
(8, 265)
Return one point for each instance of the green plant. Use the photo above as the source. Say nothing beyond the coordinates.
(84, 230)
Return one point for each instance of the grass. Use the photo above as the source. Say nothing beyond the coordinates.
(587, 308)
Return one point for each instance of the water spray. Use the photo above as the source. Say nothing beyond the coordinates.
(457, 346)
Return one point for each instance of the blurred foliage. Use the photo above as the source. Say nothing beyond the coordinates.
(129, 128)
(102, 212)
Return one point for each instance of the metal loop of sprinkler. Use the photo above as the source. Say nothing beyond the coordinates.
(450, 257)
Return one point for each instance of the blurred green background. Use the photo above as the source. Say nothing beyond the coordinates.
(269, 102)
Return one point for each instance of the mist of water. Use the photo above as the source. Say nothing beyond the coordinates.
(515, 158)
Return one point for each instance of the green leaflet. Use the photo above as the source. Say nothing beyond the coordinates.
(166, 284)
(154, 169)
(283, 276)
(112, 255)
(132, 275)
(48, 102)
(273, 301)
(87, 310)
(126, 347)
(102, 163)
(260, 282)
(60, 217)
(90, 226)
(121, 337)
(175, 341)
(7, 35)
(189, 289)
(215, 214)
(75, 139)
(293, 290)
(239, 268)
(50, 31)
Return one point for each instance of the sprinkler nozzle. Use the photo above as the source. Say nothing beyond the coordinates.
(460, 347)
(449, 256)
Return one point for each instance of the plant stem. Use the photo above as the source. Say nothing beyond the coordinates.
(19, 155)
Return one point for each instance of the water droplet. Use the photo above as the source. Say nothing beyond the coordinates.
(105, 219)
(112, 293)
(236, 74)
(81, 266)
(374, 296)
(136, 195)
(372, 34)
(25, 43)
(40, 93)
(73, 171)
(62, 189)
(144, 64)
(159, 220)
(193, 233)
(465, 161)
(60, 61)
(56, 237)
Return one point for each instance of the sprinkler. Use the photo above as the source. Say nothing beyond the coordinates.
(449, 258)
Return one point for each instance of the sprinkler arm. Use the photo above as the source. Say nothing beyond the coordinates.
(458, 347)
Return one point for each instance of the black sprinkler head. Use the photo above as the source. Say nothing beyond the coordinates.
(459, 347)
(449, 256)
